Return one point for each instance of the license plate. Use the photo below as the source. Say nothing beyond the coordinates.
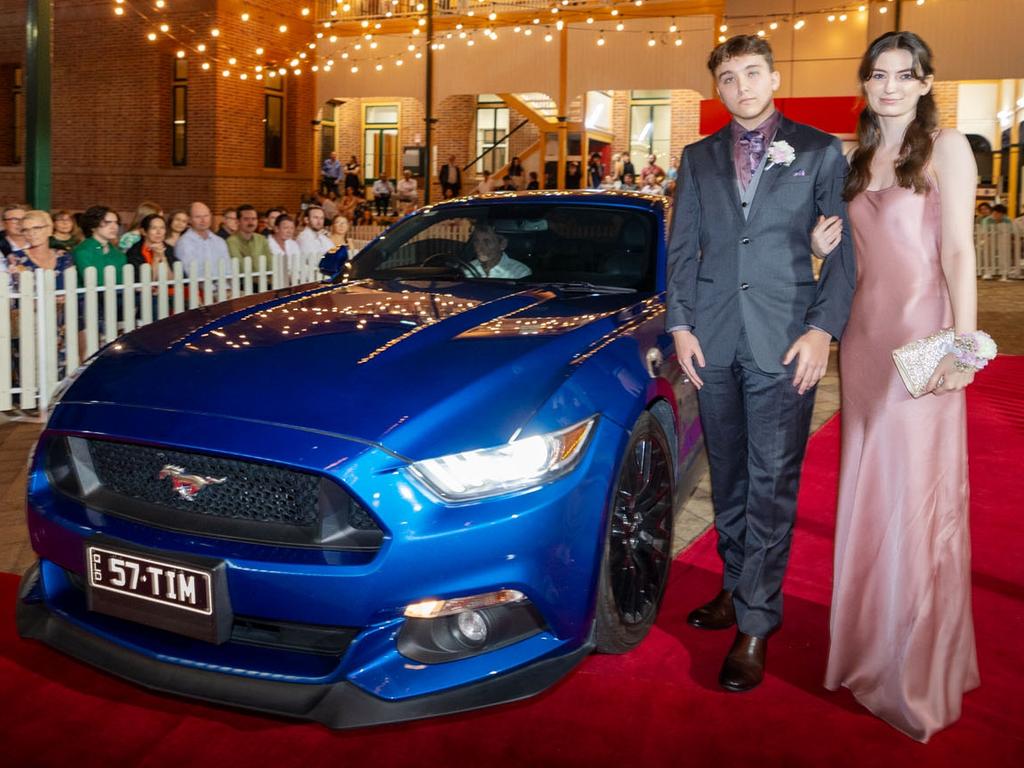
(168, 595)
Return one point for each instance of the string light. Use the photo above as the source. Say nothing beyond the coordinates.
(214, 32)
(800, 23)
(600, 40)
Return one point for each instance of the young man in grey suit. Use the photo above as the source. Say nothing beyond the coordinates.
(752, 329)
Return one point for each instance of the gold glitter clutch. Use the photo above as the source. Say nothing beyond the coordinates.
(917, 360)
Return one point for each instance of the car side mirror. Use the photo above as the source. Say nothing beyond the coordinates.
(333, 262)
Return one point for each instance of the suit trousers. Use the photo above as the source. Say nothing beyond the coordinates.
(755, 429)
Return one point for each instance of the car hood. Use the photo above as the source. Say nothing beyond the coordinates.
(421, 368)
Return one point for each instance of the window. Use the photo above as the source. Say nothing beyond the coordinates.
(12, 115)
(179, 114)
(491, 133)
(599, 111)
(273, 121)
(650, 126)
(328, 131)
(380, 141)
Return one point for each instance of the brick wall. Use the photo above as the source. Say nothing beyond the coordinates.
(111, 109)
(946, 99)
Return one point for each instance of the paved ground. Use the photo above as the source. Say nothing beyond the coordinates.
(1001, 313)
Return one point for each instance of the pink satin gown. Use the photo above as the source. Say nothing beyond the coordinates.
(902, 637)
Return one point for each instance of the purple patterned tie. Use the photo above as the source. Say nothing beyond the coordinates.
(753, 144)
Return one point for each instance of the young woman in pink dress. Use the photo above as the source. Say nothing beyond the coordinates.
(902, 637)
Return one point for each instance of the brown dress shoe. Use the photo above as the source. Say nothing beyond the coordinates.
(744, 665)
(718, 614)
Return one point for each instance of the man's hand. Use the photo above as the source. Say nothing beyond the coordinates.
(687, 350)
(811, 353)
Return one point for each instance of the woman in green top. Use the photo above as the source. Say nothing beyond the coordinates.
(99, 249)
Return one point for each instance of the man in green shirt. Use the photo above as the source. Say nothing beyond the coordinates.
(99, 249)
(247, 241)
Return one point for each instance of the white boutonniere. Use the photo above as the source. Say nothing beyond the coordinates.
(780, 153)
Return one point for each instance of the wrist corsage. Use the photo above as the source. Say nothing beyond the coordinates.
(973, 350)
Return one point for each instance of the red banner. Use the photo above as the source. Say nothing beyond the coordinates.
(832, 114)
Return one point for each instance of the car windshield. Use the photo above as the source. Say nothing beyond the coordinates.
(588, 245)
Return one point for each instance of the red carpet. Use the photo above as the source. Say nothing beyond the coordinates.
(656, 706)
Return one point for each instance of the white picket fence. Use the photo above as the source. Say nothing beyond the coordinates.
(1000, 249)
(45, 333)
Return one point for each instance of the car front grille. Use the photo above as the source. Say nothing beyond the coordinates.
(238, 490)
(211, 495)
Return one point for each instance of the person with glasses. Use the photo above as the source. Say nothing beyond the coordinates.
(13, 241)
(66, 234)
(99, 249)
(37, 227)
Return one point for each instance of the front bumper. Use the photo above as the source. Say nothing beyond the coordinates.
(336, 705)
(546, 543)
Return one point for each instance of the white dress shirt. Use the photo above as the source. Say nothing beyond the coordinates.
(195, 251)
(314, 243)
(507, 268)
(290, 255)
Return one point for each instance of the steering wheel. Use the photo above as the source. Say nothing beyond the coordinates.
(450, 260)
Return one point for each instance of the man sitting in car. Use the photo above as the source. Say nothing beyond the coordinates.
(491, 259)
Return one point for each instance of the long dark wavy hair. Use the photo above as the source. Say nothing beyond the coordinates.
(917, 143)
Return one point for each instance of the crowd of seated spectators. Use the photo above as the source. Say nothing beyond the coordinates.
(99, 237)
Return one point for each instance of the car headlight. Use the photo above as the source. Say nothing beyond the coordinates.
(520, 464)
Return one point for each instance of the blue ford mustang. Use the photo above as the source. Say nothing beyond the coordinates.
(434, 482)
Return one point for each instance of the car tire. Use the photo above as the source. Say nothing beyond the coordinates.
(638, 540)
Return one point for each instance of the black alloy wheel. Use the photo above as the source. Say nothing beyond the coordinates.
(638, 544)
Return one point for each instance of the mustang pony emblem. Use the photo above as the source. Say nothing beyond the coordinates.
(187, 486)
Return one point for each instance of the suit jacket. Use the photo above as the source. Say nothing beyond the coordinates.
(442, 177)
(727, 273)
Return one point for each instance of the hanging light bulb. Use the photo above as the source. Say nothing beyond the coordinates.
(151, 36)
(547, 38)
(800, 24)
(679, 41)
(619, 27)
(590, 19)
(165, 28)
(651, 42)
(259, 51)
(245, 16)
(213, 32)
(283, 28)
(774, 25)
(201, 47)
(180, 54)
(206, 65)
(600, 40)
(724, 28)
